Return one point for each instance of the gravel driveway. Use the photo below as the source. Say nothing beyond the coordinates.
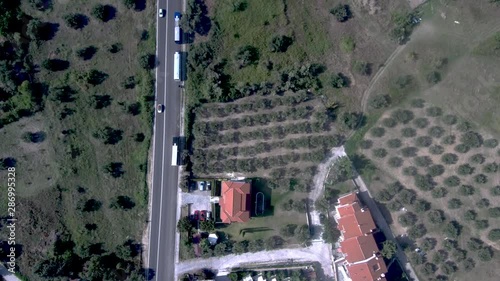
(318, 252)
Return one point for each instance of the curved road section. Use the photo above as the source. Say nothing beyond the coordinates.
(163, 195)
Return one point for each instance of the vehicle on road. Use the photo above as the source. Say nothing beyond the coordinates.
(159, 108)
(177, 28)
(177, 66)
(161, 13)
(174, 154)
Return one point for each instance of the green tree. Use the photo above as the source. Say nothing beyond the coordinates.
(129, 4)
(220, 249)
(389, 249)
(207, 225)
(288, 230)
(485, 254)
(104, 13)
(361, 67)
(449, 158)
(339, 81)
(407, 219)
(436, 216)
(417, 231)
(184, 225)
(433, 77)
(380, 101)
(115, 169)
(240, 247)
(470, 215)
(454, 203)
(246, 55)
(494, 212)
(75, 20)
(147, 61)
(453, 229)
(342, 170)
(303, 234)
(341, 12)
(280, 43)
(494, 234)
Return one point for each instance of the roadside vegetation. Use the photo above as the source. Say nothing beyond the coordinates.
(76, 118)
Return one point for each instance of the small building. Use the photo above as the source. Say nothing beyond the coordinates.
(235, 201)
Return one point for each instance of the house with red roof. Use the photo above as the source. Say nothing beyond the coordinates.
(361, 254)
(235, 201)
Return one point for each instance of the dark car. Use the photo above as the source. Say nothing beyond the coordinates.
(203, 215)
(196, 215)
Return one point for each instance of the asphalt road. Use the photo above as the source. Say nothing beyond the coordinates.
(166, 126)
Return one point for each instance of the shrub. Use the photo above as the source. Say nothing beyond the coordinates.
(86, 53)
(453, 229)
(449, 268)
(477, 158)
(450, 244)
(470, 215)
(389, 249)
(433, 77)
(339, 81)
(288, 230)
(475, 244)
(409, 151)
(341, 12)
(449, 119)
(491, 143)
(379, 152)
(384, 195)
(424, 182)
(421, 122)
(395, 162)
(361, 67)
(452, 181)
(465, 169)
(389, 122)
(76, 21)
(246, 55)
(129, 82)
(403, 116)
(407, 219)
(462, 148)
(468, 264)
(403, 81)
(417, 231)
(466, 190)
(407, 196)
(449, 158)
(422, 206)
(410, 171)
(439, 256)
(436, 131)
(103, 13)
(448, 140)
(495, 191)
(434, 111)
(377, 132)
(490, 168)
(380, 101)
(494, 212)
(435, 170)
(147, 61)
(347, 44)
(408, 132)
(494, 234)
(366, 144)
(459, 254)
(394, 206)
(423, 161)
(417, 103)
(417, 258)
(454, 203)
(428, 244)
(436, 216)
(485, 254)
(395, 187)
(481, 179)
(439, 192)
(483, 203)
(464, 126)
(472, 139)
(482, 224)
(436, 149)
(280, 43)
(394, 143)
(429, 269)
(423, 141)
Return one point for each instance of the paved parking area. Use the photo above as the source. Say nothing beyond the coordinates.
(199, 200)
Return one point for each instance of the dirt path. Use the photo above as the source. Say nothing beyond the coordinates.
(317, 252)
(319, 181)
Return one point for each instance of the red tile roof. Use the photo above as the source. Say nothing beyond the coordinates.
(348, 199)
(359, 248)
(371, 270)
(235, 201)
(346, 210)
(360, 223)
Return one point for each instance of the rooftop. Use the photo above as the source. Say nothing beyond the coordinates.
(235, 201)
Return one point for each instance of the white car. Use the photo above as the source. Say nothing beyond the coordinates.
(161, 13)
(159, 108)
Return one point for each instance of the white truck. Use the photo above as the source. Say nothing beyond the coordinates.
(177, 28)
(177, 66)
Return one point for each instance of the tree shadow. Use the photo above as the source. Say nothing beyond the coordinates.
(140, 5)
(48, 30)
(385, 212)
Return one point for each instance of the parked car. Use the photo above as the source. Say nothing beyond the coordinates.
(201, 185)
(196, 215)
(203, 215)
(161, 13)
(209, 215)
(209, 185)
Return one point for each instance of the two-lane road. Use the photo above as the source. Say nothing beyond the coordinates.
(163, 222)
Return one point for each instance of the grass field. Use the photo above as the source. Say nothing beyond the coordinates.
(64, 193)
(414, 142)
